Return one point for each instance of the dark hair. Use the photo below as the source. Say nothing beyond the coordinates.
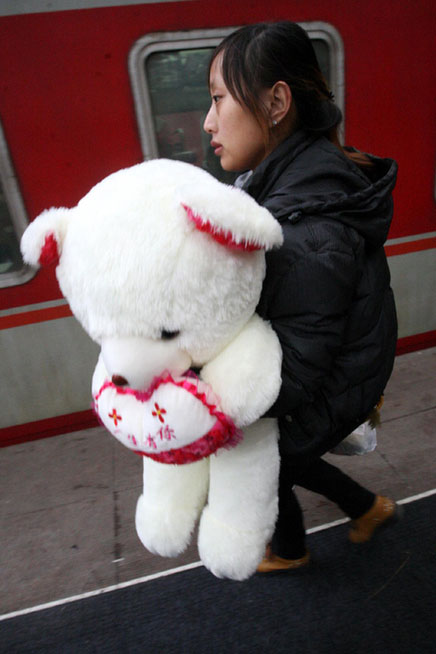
(257, 56)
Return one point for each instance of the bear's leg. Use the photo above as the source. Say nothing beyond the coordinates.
(239, 519)
(171, 502)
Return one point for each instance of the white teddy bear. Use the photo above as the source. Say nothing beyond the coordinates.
(163, 266)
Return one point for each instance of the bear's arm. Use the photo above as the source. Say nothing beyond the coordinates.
(246, 374)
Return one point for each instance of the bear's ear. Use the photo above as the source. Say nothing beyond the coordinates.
(230, 216)
(41, 243)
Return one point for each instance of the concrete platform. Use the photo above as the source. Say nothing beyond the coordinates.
(67, 503)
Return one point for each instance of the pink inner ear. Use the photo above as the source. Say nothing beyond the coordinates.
(49, 251)
(219, 235)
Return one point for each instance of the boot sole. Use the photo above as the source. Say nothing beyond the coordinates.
(281, 571)
(389, 522)
(291, 568)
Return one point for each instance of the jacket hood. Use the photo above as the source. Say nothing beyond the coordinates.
(307, 175)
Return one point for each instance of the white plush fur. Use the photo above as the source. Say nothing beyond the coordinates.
(246, 373)
(168, 509)
(239, 519)
(132, 264)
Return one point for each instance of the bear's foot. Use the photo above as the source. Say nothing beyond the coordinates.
(163, 530)
(227, 551)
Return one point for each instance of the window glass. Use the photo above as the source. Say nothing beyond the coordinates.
(176, 82)
(180, 100)
(323, 55)
(13, 221)
(10, 257)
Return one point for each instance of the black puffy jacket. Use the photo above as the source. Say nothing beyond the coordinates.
(327, 289)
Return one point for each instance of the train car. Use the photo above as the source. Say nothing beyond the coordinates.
(90, 87)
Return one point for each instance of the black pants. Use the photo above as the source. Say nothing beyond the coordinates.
(321, 477)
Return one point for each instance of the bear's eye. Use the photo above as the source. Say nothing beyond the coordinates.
(168, 336)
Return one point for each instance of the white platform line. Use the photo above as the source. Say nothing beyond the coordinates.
(172, 571)
(101, 591)
(341, 521)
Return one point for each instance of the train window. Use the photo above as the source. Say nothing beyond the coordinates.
(169, 79)
(180, 99)
(13, 221)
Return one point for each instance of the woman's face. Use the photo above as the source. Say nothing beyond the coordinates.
(237, 137)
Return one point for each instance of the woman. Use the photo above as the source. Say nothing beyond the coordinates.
(327, 289)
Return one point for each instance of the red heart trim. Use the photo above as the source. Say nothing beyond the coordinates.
(224, 433)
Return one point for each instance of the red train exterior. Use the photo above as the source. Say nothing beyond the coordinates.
(68, 115)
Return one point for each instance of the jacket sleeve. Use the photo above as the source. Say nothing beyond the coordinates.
(308, 305)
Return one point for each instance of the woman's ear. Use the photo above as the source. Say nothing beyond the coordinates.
(280, 102)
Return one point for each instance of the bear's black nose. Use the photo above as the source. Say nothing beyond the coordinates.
(118, 380)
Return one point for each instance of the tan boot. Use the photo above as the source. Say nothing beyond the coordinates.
(383, 512)
(274, 563)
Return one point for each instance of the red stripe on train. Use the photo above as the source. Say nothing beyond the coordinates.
(416, 342)
(31, 317)
(410, 246)
(31, 431)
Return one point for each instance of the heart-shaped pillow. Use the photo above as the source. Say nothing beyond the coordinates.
(174, 421)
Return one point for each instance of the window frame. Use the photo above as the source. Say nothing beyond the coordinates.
(17, 212)
(210, 38)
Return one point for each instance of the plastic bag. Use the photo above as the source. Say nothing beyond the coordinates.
(362, 440)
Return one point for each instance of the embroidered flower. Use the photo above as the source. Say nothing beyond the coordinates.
(159, 413)
(115, 417)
